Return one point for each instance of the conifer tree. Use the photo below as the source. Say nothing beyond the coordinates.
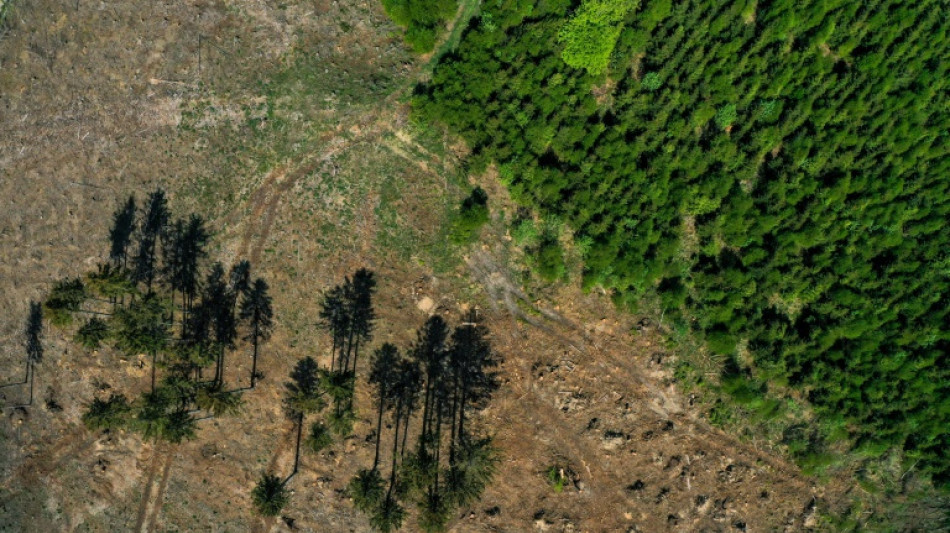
(256, 310)
(303, 396)
(153, 229)
(383, 375)
(360, 303)
(142, 328)
(270, 495)
(335, 316)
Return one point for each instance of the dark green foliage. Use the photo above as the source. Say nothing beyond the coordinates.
(179, 426)
(341, 422)
(475, 465)
(154, 228)
(92, 333)
(107, 414)
(434, 513)
(110, 282)
(269, 496)
(424, 20)
(388, 515)
(304, 395)
(472, 215)
(183, 252)
(257, 312)
(776, 171)
(548, 260)
(142, 326)
(319, 438)
(367, 490)
(64, 299)
(218, 401)
(384, 375)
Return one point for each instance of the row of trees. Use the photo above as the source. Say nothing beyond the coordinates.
(157, 295)
(434, 388)
(775, 173)
(441, 381)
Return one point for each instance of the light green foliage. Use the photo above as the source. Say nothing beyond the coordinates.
(651, 81)
(424, 20)
(590, 35)
(472, 215)
(556, 477)
(815, 181)
(726, 116)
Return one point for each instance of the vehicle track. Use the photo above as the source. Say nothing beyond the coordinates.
(152, 497)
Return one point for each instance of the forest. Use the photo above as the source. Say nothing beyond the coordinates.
(774, 173)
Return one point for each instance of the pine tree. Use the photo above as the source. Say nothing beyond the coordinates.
(142, 328)
(270, 496)
(335, 317)
(256, 310)
(303, 396)
(153, 229)
(384, 375)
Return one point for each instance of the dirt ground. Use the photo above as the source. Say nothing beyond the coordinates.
(285, 123)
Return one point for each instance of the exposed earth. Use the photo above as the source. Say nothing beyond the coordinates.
(286, 125)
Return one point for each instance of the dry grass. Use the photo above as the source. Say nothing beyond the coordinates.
(292, 140)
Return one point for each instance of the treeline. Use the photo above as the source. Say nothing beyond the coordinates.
(776, 172)
(158, 295)
(443, 377)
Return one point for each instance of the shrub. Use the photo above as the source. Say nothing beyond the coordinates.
(472, 215)
(319, 438)
(269, 496)
(92, 333)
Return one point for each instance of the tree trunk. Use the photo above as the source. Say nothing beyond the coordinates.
(392, 474)
(333, 352)
(154, 356)
(405, 432)
(297, 453)
(452, 435)
(379, 426)
(254, 361)
(32, 375)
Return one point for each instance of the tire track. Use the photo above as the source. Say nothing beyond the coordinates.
(48, 462)
(160, 495)
(146, 495)
(267, 199)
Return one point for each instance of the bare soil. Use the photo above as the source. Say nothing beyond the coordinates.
(285, 124)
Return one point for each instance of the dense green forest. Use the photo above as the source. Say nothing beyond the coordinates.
(775, 172)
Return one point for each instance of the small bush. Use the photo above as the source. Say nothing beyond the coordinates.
(269, 496)
(557, 477)
(319, 438)
(92, 333)
(472, 215)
